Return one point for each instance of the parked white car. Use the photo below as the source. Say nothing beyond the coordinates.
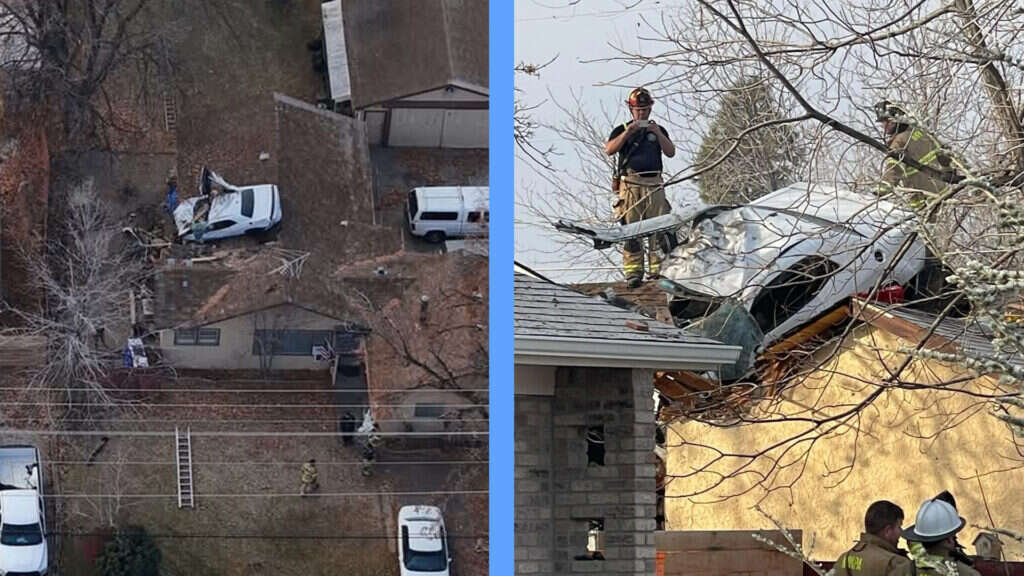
(22, 517)
(441, 212)
(232, 211)
(422, 542)
(780, 261)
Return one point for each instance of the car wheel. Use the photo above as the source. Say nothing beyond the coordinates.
(435, 237)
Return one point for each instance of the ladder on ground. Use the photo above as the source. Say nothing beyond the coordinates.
(170, 112)
(183, 456)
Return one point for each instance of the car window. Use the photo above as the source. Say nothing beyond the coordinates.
(21, 534)
(487, 216)
(439, 216)
(418, 561)
(790, 291)
(473, 217)
(247, 202)
(222, 224)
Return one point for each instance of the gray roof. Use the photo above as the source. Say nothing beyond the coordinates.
(968, 335)
(544, 309)
(398, 48)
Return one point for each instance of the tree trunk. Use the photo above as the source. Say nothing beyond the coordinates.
(995, 85)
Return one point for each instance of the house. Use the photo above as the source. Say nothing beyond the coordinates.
(584, 434)
(907, 446)
(213, 317)
(416, 71)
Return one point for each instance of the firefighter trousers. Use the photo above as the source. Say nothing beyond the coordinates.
(642, 197)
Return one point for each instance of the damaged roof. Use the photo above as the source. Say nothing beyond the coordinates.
(951, 335)
(399, 48)
(555, 325)
(648, 298)
(189, 296)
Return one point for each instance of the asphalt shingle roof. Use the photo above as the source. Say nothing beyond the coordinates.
(549, 310)
(968, 335)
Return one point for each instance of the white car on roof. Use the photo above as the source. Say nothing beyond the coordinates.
(22, 518)
(750, 274)
(231, 211)
(422, 542)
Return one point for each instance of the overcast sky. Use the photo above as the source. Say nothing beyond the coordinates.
(586, 31)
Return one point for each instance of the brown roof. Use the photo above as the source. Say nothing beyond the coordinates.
(324, 175)
(648, 298)
(398, 48)
(197, 295)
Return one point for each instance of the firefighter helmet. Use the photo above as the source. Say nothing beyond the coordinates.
(936, 520)
(640, 98)
(886, 110)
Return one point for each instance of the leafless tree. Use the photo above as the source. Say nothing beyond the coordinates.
(63, 52)
(828, 62)
(84, 278)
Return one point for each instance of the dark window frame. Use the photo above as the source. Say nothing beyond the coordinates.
(434, 216)
(428, 410)
(218, 225)
(248, 202)
(314, 338)
(194, 336)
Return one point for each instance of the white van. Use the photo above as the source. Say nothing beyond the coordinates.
(441, 212)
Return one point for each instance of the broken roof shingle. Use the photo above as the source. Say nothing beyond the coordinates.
(543, 309)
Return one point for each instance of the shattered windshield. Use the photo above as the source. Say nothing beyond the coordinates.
(731, 324)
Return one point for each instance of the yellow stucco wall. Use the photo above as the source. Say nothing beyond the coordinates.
(911, 445)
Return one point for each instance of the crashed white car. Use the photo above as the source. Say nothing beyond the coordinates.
(422, 542)
(22, 518)
(750, 274)
(232, 211)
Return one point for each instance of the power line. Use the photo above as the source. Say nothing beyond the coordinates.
(71, 496)
(157, 433)
(241, 390)
(209, 405)
(216, 536)
(232, 421)
(269, 462)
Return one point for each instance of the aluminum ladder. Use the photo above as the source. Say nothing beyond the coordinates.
(183, 457)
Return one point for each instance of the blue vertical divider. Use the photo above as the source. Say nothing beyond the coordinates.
(501, 259)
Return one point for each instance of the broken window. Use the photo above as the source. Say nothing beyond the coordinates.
(439, 216)
(790, 291)
(595, 540)
(197, 337)
(595, 445)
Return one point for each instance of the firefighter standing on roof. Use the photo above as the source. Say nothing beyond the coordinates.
(639, 144)
(908, 140)
(876, 553)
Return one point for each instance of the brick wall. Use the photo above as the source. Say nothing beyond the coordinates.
(534, 529)
(552, 469)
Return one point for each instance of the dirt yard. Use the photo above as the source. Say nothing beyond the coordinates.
(249, 517)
